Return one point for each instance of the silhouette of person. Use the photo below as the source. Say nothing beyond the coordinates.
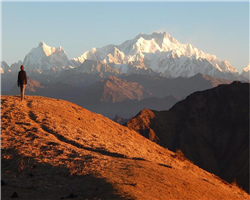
(22, 81)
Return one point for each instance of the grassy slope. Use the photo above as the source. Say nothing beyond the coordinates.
(51, 148)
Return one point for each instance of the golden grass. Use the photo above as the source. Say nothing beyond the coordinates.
(51, 148)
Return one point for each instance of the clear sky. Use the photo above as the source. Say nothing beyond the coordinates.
(219, 28)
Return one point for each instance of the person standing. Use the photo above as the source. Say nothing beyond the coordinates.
(22, 81)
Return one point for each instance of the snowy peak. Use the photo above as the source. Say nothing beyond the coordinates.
(160, 38)
(45, 48)
(147, 46)
(247, 68)
(41, 44)
(246, 72)
(44, 57)
(50, 50)
(166, 43)
(154, 35)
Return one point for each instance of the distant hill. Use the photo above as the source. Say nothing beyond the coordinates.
(120, 120)
(54, 149)
(179, 87)
(210, 127)
(124, 95)
(115, 90)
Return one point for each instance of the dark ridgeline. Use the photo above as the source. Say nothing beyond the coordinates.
(210, 127)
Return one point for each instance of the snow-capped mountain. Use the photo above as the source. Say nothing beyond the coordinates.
(163, 54)
(44, 58)
(246, 72)
(4, 67)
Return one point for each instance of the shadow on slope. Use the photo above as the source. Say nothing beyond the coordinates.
(40, 180)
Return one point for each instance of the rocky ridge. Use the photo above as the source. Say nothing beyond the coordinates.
(210, 127)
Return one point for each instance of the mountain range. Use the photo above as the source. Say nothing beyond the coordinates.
(155, 54)
(161, 53)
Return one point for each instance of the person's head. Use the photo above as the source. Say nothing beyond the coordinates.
(22, 67)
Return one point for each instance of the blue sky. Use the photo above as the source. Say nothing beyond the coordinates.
(219, 28)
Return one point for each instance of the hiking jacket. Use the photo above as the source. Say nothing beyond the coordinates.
(22, 78)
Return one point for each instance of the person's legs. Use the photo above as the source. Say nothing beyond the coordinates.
(21, 91)
(22, 87)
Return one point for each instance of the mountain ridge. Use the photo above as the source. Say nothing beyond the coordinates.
(210, 127)
(170, 57)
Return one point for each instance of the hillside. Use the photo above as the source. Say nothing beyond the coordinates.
(210, 127)
(53, 149)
